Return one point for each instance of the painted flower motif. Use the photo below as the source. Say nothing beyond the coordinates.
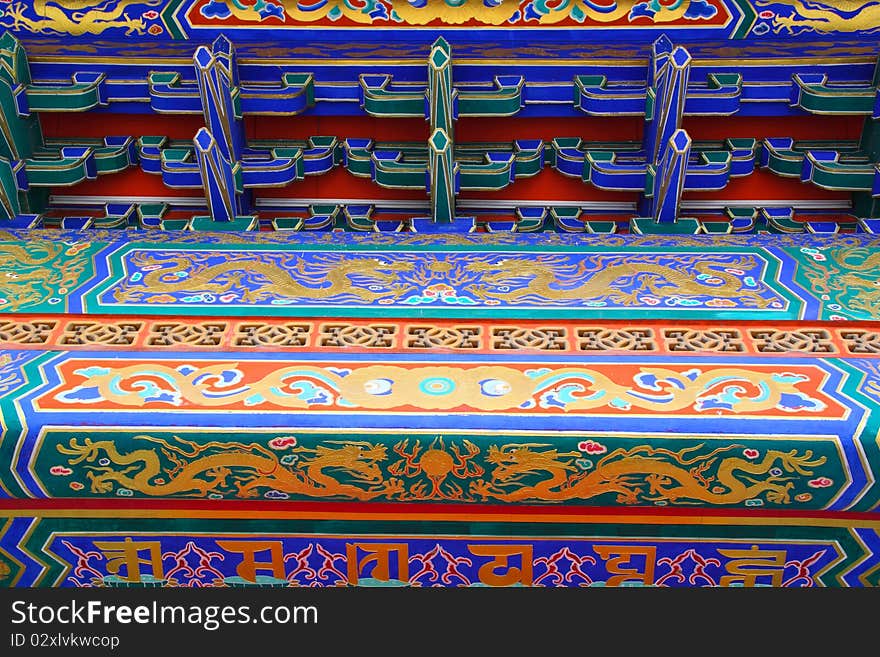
(270, 10)
(150, 15)
(76, 248)
(592, 447)
(60, 471)
(803, 497)
(720, 303)
(821, 482)
(216, 9)
(751, 453)
(155, 29)
(160, 298)
(75, 485)
(282, 442)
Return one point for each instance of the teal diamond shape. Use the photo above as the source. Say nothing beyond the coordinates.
(439, 141)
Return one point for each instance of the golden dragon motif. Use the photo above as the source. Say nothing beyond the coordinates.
(826, 17)
(851, 272)
(459, 13)
(244, 469)
(274, 281)
(670, 477)
(30, 274)
(552, 282)
(76, 17)
(352, 470)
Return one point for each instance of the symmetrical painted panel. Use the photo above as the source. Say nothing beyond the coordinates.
(161, 19)
(547, 551)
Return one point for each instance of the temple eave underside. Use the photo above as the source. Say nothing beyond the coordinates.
(439, 294)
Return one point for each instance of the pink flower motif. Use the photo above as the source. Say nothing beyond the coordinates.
(592, 447)
(282, 442)
(720, 303)
(150, 15)
(751, 453)
(821, 482)
(60, 470)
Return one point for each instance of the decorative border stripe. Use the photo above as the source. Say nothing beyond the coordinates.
(279, 335)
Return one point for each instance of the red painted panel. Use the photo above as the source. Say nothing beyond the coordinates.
(131, 182)
(764, 185)
(340, 184)
(710, 128)
(302, 127)
(550, 185)
(622, 128)
(177, 126)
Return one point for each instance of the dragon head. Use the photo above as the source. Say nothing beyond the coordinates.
(360, 459)
(503, 270)
(513, 461)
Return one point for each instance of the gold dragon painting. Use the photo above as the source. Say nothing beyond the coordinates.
(75, 17)
(455, 470)
(846, 16)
